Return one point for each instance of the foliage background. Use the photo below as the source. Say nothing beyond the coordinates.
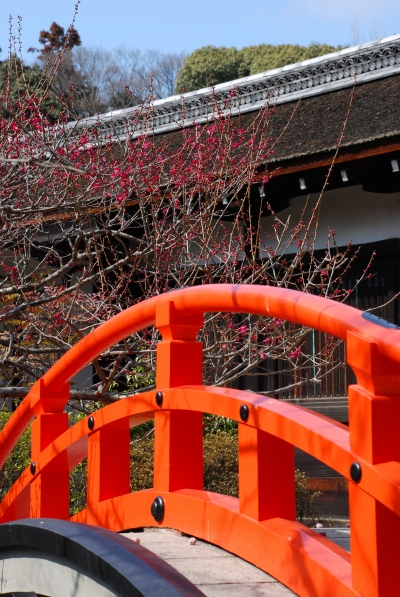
(113, 79)
(213, 65)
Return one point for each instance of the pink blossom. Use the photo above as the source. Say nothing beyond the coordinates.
(295, 353)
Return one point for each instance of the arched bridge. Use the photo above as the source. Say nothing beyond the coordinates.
(260, 525)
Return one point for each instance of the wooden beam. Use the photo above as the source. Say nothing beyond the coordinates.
(349, 156)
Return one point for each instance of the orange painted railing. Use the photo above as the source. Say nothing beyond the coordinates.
(260, 525)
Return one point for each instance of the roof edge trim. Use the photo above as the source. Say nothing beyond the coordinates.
(331, 72)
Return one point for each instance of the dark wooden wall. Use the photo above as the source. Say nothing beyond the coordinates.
(378, 292)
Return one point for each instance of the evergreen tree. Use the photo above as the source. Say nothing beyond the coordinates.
(17, 81)
(212, 65)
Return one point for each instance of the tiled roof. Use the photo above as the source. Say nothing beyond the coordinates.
(331, 74)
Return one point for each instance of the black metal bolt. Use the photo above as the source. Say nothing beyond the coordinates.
(159, 398)
(157, 509)
(244, 412)
(33, 468)
(355, 472)
(90, 423)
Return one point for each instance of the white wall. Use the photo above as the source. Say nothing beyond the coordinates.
(355, 215)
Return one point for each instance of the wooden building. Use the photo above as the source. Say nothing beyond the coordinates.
(362, 201)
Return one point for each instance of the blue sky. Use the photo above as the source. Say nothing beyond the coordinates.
(184, 25)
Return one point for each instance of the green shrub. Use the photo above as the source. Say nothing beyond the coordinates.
(305, 500)
(18, 460)
(142, 462)
(77, 488)
(221, 463)
(216, 424)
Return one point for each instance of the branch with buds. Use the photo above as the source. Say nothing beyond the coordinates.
(91, 226)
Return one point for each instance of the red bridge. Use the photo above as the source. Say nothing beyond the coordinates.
(260, 525)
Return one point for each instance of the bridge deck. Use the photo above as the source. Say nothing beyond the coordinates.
(214, 571)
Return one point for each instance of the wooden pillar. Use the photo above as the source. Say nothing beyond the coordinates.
(266, 475)
(108, 461)
(178, 449)
(49, 490)
(374, 417)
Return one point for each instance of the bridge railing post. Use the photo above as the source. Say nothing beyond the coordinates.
(108, 461)
(49, 491)
(374, 420)
(266, 475)
(178, 447)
